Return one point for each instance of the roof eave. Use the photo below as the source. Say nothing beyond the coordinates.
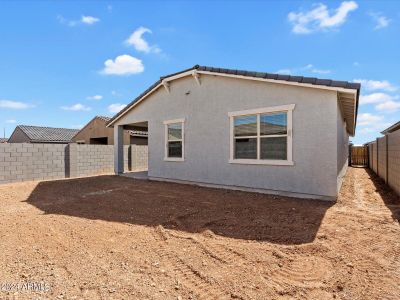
(353, 87)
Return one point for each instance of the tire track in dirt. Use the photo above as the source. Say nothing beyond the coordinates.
(302, 271)
(230, 263)
(221, 253)
(191, 278)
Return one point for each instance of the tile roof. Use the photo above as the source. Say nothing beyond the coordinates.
(104, 118)
(299, 79)
(48, 134)
(264, 75)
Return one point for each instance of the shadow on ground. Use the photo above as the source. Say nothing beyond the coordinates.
(233, 214)
(389, 197)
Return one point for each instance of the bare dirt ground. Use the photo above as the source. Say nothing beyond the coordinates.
(111, 237)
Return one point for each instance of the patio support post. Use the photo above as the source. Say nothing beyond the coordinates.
(118, 149)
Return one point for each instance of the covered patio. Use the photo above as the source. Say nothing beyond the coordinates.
(133, 160)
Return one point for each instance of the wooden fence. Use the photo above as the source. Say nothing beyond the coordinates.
(359, 156)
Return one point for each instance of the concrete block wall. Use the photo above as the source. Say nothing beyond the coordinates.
(139, 157)
(23, 162)
(127, 158)
(381, 159)
(92, 160)
(385, 159)
(394, 160)
(370, 155)
(374, 157)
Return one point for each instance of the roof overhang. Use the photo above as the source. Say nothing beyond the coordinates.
(347, 97)
(348, 102)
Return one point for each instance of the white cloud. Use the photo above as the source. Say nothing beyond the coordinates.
(76, 107)
(370, 123)
(375, 98)
(115, 107)
(95, 97)
(85, 20)
(368, 119)
(136, 40)
(11, 121)
(312, 69)
(380, 20)
(388, 106)
(307, 68)
(14, 104)
(373, 85)
(320, 17)
(89, 20)
(383, 102)
(123, 65)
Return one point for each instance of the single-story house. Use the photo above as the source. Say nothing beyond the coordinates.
(245, 130)
(96, 132)
(37, 134)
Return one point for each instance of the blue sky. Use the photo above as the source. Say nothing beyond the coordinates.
(61, 63)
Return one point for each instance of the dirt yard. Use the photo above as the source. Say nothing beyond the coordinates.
(118, 238)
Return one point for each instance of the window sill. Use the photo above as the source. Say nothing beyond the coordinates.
(174, 159)
(261, 162)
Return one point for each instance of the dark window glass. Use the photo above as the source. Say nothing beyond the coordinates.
(246, 148)
(245, 126)
(174, 149)
(271, 124)
(273, 148)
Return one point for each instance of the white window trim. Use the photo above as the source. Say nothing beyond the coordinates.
(166, 123)
(283, 108)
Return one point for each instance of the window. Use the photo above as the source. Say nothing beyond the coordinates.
(174, 140)
(262, 136)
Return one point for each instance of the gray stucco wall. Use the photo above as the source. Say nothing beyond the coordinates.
(207, 134)
(342, 148)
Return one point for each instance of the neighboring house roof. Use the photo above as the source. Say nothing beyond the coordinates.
(137, 133)
(48, 134)
(103, 118)
(392, 128)
(341, 86)
(3, 140)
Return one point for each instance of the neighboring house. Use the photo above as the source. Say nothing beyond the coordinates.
(245, 130)
(391, 129)
(45, 135)
(96, 132)
(3, 140)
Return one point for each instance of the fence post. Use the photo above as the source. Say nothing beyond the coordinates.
(377, 156)
(387, 159)
(72, 160)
